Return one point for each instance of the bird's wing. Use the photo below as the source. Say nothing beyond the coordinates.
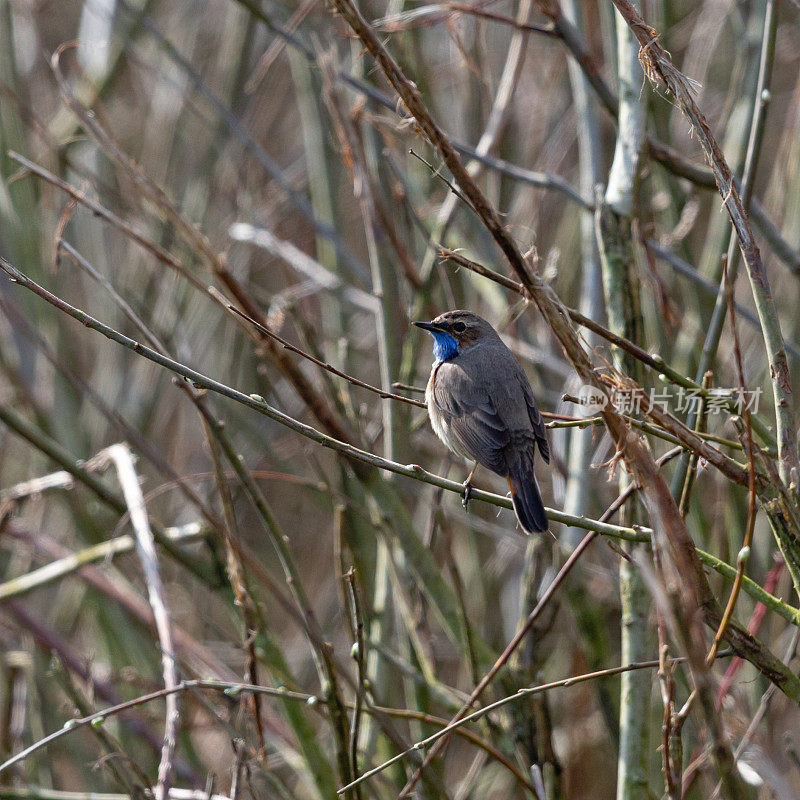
(512, 396)
(537, 423)
(471, 416)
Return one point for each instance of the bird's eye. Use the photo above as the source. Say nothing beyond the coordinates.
(459, 327)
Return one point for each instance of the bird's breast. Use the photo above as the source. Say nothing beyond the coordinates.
(434, 412)
(440, 420)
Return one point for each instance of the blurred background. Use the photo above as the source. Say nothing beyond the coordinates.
(254, 147)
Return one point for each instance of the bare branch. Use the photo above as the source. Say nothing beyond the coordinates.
(122, 458)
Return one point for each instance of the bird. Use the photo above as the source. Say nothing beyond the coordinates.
(481, 406)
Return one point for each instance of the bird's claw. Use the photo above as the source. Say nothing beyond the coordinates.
(467, 494)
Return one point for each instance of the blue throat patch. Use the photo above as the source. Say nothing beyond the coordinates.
(445, 346)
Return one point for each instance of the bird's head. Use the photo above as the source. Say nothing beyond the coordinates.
(457, 331)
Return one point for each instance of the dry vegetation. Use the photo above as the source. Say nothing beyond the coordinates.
(228, 496)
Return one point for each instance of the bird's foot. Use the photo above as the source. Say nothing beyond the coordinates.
(465, 498)
(468, 488)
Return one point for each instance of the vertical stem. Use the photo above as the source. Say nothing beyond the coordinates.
(751, 161)
(762, 294)
(384, 280)
(594, 638)
(384, 286)
(317, 164)
(590, 170)
(623, 303)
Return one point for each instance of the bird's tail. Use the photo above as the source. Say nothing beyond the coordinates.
(525, 495)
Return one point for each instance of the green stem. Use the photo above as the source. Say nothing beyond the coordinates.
(614, 218)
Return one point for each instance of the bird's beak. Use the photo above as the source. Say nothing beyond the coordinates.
(428, 326)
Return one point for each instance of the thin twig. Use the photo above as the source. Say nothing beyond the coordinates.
(240, 132)
(521, 693)
(760, 104)
(122, 459)
(707, 287)
(102, 212)
(432, 13)
(744, 552)
(757, 617)
(669, 157)
(437, 174)
(252, 619)
(302, 263)
(43, 576)
(691, 473)
(194, 238)
(321, 651)
(26, 489)
(329, 367)
(42, 793)
(234, 689)
(359, 654)
(659, 68)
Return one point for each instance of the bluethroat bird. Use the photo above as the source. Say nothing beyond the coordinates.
(481, 406)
